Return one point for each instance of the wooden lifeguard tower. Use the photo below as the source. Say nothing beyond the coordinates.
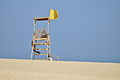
(41, 36)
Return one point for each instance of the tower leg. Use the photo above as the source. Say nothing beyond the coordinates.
(49, 57)
(32, 55)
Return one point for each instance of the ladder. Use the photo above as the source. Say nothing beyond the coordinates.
(41, 37)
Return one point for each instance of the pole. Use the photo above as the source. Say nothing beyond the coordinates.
(49, 47)
(32, 52)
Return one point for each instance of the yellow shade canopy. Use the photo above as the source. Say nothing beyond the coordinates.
(53, 14)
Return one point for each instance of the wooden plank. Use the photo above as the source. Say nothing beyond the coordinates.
(41, 43)
(41, 39)
(40, 49)
(41, 19)
(41, 54)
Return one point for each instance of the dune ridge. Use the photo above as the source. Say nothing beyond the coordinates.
(19, 69)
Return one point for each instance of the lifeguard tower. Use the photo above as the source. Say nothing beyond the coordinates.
(41, 36)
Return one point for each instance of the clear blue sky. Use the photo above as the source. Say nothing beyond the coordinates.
(87, 30)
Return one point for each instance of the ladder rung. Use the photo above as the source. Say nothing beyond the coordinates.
(41, 39)
(41, 43)
(40, 49)
(41, 54)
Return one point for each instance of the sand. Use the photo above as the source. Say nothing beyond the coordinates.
(18, 69)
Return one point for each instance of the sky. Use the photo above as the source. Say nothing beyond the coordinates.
(87, 30)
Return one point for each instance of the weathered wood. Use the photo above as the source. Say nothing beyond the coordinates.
(41, 39)
(40, 49)
(41, 43)
(41, 19)
(41, 54)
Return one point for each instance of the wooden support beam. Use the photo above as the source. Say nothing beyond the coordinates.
(40, 49)
(41, 39)
(41, 19)
(41, 43)
(41, 54)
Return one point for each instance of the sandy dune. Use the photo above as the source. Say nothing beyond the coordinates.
(15, 69)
